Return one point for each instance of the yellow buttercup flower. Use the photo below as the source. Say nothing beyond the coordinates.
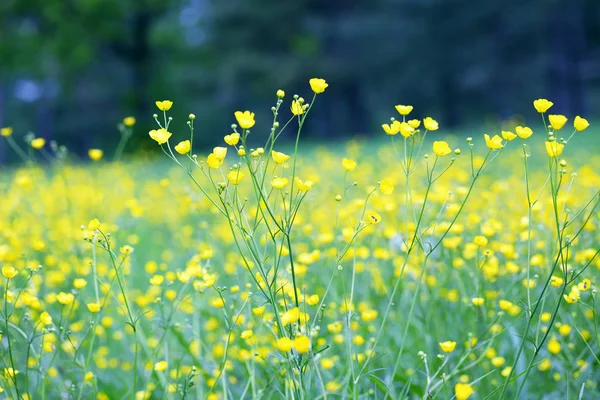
(580, 124)
(448, 346)
(414, 123)
(95, 154)
(557, 121)
(462, 391)
(45, 318)
(348, 164)
(279, 183)
(508, 135)
(161, 136)
(302, 344)
(94, 224)
(9, 271)
(183, 147)
(284, 344)
(542, 105)
(164, 105)
(245, 119)
(303, 186)
(6, 131)
(130, 121)
(235, 177)
(523, 131)
(38, 143)
(403, 110)
(372, 218)
(386, 186)
(493, 143)
(278, 157)
(554, 149)
(297, 108)
(430, 124)
(93, 307)
(220, 153)
(213, 161)
(441, 148)
(584, 285)
(391, 129)
(317, 85)
(65, 298)
(406, 130)
(161, 366)
(232, 139)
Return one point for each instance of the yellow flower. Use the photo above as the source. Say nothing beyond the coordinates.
(245, 119)
(462, 391)
(414, 123)
(94, 224)
(280, 94)
(430, 124)
(278, 157)
(45, 318)
(441, 148)
(157, 280)
(494, 143)
(183, 147)
(391, 129)
(161, 366)
(557, 121)
(303, 186)
(508, 135)
(386, 186)
(406, 130)
(302, 344)
(232, 139)
(213, 161)
(523, 131)
(164, 105)
(553, 346)
(580, 124)
(65, 298)
(235, 177)
(297, 108)
(9, 271)
(317, 85)
(38, 143)
(95, 154)
(220, 153)
(554, 149)
(79, 283)
(279, 183)
(348, 164)
(404, 110)
(93, 307)
(160, 135)
(584, 285)
(6, 131)
(372, 218)
(284, 344)
(573, 296)
(130, 121)
(477, 301)
(447, 346)
(542, 105)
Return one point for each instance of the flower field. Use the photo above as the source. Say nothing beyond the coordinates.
(418, 266)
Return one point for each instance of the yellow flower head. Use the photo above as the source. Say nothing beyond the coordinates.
(65, 298)
(284, 344)
(130, 121)
(557, 121)
(279, 183)
(523, 131)
(38, 143)
(297, 108)
(278, 157)
(9, 271)
(213, 161)
(93, 307)
(554, 149)
(280, 94)
(317, 85)
(404, 110)
(430, 124)
(462, 391)
(183, 147)
(493, 143)
(94, 224)
(406, 130)
(164, 105)
(95, 154)
(161, 366)
(584, 285)
(542, 105)
(580, 124)
(161, 136)
(235, 176)
(447, 346)
(414, 123)
(386, 186)
(45, 318)
(391, 129)
(6, 131)
(232, 139)
(220, 153)
(348, 164)
(372, 218)
(508, 135)
(245, 119)
(441, 148)
(302, 344)
(303, 186)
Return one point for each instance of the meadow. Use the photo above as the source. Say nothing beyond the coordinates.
(418, 266)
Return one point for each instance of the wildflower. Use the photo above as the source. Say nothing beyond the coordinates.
(391, 129)
(10, 373)
(580, 124)
(573, 296)
(480, 241)
(554, 149)
(557, 121)
(493, 143)
(130, 121)
(45, 318)
(303, 186)
(430, 124)
(414, 123)
(157, 280)
(554, 346)
(235, 177)
(9, 271)
(94, 224)
(6, 131)
(79, 283)
(447, 346)
(368, 315)
(278, 157)
(279, 183)
(542, 105)
(284, 344)
(164, 105)
(280, 94)
(232, 139)
(477, 301)
(93, 307)
(523, 131)
(556, 281)
(564, 330)
(213, 161)
(161, 366)
(404, 110)
(38, 143)
(245, 119)
(584, 285)
(302, 344)
(318, 85)
(65, 298)
(508, 135)
(406, 130)
(297, 107)
(462, 391)
(348, 164)
(183, 147)
(386, 186)
(95, 154)
(220, 153)
(372, 218)
(161, 136)
(441, 148)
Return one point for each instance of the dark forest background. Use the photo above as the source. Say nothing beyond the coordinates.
(70, 70)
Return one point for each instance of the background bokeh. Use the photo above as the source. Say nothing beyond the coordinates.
(71, 70)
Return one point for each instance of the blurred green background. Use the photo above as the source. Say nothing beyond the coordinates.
(70, 70)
